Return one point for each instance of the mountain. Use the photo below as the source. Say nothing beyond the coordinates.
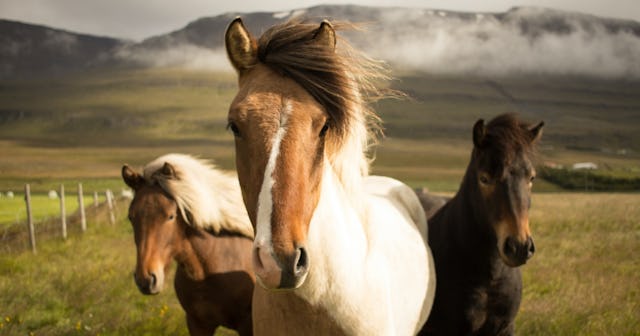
(523, 40)
(28, 50)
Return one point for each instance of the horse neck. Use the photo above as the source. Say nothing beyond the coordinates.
(192, 253)
(349, 161)
(336, 226)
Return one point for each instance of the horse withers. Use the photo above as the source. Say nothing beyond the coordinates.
(336, 251)
(481, 236)
(186, 210)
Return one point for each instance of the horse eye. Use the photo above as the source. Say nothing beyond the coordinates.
(234, 128)
(172, 216)
(484, 179)
(324, 129)
(533, 177)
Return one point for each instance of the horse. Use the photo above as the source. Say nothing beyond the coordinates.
(336, 252)
(481, 236)
(431, 203)
(186, 210)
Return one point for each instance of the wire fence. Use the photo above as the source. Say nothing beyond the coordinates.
(25, 232)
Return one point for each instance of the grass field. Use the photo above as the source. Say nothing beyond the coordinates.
(583, 279)
(14, 210)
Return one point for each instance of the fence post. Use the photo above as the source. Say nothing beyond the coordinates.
(63, 213)
(112, 218)
(95, 199)
(32, 236)
(83, 219)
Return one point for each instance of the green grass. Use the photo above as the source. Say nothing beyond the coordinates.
(84, 286)
(14, 210)
(582, 280)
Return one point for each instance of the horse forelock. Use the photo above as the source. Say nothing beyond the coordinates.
(510, 137)
(341, 80)
(207, 198)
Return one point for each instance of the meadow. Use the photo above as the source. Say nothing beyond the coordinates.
(13, 211)
(583, 279)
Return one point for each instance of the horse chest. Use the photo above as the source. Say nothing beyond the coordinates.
(476, 294)
(492, 305)
(284, 313)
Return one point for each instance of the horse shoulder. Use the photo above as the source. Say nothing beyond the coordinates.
(399, 232)
(403, 197)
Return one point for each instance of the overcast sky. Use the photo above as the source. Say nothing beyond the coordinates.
(138, 19)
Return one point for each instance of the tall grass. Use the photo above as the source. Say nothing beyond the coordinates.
(82, 286)
(584, 278)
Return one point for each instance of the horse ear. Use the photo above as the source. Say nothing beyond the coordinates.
(326, 34)
(479, 133)
(168, 170)
(536, 132)
(131, 178)
(242, 48)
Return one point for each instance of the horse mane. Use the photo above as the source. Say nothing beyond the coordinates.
(341, 79)
(206, 197)
(509, 135)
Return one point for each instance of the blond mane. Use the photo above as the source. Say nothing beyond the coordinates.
(206, 197)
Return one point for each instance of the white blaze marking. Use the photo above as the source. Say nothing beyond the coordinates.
(265, 198)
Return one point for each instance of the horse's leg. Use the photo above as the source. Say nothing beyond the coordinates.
(245, 327)
(510, 330)
(199, 329)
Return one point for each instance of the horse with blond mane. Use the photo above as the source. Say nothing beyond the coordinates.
(337, 252)
(186, 210)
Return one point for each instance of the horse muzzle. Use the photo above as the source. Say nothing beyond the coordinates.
(150, 283)
(516, 253)
(288, 272)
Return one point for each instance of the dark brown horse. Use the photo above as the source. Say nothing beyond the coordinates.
(481, 236)
(187, 211)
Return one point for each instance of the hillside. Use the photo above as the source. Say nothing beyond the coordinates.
(87, 126)
(28, 51)
(111, 102)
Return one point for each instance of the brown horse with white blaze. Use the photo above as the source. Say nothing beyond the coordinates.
(336, 251)
(481, 236)
(186, 210)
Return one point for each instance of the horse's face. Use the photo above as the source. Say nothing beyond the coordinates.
(279, 133)
(504, 177)
(156, 228)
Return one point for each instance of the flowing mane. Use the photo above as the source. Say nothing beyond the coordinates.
(206, 197)
(341, 79)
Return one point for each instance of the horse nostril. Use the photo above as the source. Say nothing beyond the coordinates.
(531, 247)
(154, 280)
(301, 261)
(510, 246)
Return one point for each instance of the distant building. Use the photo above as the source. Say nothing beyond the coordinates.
(584, 165)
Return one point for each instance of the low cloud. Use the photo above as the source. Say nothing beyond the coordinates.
(485, 45)
(186, 56)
